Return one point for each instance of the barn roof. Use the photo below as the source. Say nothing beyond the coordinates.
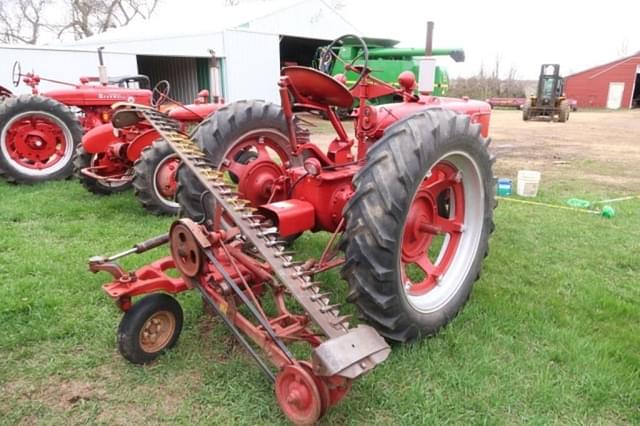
(608, 64)
(202, 17)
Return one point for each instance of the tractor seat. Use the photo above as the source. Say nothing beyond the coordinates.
(318, 87)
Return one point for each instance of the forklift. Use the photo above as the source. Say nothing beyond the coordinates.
(549, 102)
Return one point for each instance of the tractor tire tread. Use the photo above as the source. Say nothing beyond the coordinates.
(81, 160)
(23, 103)
(216, 135)
(143, 181)
(134, 319)
(376, 213)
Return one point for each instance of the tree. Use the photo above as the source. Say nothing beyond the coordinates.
(89, 17)
(25, 21)
(21, 21)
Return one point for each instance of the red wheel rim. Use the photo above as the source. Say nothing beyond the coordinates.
(298, 395)
(111, 167)
(36, 143)
(437, 210)
(165, 177)
(258, 174)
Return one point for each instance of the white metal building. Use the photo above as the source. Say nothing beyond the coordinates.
(235, 52)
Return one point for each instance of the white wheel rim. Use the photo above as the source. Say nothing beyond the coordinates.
(64, 161)
(457, 272)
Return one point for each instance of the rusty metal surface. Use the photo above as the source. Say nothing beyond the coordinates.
(352, 354)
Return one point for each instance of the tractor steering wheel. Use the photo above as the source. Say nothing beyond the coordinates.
(160, 93)
(327, 56)
(16, 73)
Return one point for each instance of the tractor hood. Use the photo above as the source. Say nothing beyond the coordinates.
(479, 111)
(94, 95)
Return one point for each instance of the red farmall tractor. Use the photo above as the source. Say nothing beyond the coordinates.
(112, 160)
(409, 211)
(39, 132)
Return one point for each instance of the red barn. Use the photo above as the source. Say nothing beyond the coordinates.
(614, 85)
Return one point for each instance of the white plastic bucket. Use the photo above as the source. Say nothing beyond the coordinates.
(528, 183)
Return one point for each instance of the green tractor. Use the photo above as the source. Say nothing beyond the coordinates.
(386, 62)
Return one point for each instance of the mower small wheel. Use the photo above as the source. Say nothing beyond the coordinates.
(82, 160)
(155, 179)
(150, 327)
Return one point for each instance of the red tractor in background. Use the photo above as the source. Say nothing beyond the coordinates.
(39, 132)
(112, 160)
(411, 206)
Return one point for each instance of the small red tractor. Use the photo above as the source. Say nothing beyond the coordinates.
(39, 132)
(112, 160)
(409, 213)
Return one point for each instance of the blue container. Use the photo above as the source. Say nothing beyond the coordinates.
(504, 187)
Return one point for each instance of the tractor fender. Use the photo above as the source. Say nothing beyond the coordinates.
(136, 146)
(99, 139)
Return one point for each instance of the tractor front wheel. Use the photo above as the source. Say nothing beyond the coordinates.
(150, 327)
(419, 223)
(38, 137)
(155, 179)
(84, 160)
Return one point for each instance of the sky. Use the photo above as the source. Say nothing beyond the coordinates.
(521, 35)
(524, 35)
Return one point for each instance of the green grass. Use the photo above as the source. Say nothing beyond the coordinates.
(551, 334)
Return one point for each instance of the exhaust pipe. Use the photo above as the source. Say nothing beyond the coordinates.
(427, 72)
(102, 69)
(429, 48)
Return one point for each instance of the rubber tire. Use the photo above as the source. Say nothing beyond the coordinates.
(563, 115)
(217, 134)
(375, 217)
(135, 318)
(81, 160)
(19, 104)
(526, 111)
(143, 181)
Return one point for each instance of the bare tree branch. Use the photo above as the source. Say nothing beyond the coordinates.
(24, 21)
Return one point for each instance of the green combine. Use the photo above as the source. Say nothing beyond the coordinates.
(387, 62)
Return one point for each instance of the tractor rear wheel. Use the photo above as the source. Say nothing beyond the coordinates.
(38, 137)
(248, 140)
(155, 179)
(411, 264)
(83, 160)
(150, 327)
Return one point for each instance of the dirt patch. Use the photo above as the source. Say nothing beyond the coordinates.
(53, 395)
(594, 148)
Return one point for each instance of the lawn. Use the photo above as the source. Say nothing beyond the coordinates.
(551, 333)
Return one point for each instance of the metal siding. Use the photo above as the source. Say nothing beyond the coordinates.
(252, 66)
(591, 88)
(181, 73)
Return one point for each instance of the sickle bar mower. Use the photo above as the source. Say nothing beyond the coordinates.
(211, 259)
(412, 209)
